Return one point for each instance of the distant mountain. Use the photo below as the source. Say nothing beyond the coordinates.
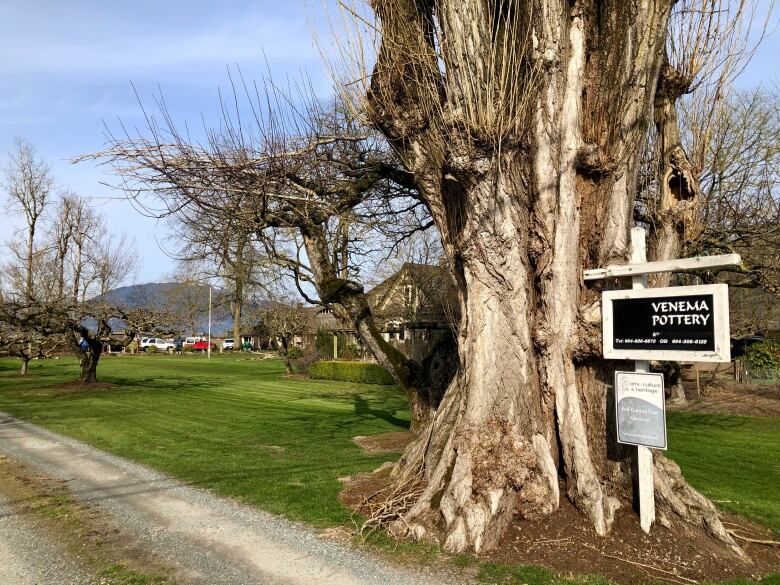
(172, 296)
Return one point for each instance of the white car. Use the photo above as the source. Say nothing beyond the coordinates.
(158, 343)
(190, 341)
(229, 343)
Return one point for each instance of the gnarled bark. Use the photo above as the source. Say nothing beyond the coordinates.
(528, 418)
(674, 218)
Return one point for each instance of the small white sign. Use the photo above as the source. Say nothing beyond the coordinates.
(640, 409)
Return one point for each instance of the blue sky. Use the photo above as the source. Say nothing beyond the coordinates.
(67, 67)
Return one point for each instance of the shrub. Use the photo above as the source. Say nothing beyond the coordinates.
(323, 342)
(764, 356)
(151, 349)
(188, 349)
(308, 358)
(350, 351)
(359, 372)
(294, 353)
(131, 347)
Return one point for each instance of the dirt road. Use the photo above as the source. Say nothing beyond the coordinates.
(201, 537)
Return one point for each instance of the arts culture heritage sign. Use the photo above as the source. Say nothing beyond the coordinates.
(640, 407)
(681, 323)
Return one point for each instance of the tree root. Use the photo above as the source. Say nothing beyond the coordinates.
(673, 494)
(754, 540)
(389, 505)
(667, 575)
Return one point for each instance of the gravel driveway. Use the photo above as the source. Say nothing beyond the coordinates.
(28, 556)
(205, 538)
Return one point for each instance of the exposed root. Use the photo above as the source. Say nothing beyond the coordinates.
(754, 540)
(665, 574)
(389, 504)
(675, 495)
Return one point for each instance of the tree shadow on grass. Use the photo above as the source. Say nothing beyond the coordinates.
(362, 407)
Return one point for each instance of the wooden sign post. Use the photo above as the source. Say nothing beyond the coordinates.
(644, 455)
(679, 323)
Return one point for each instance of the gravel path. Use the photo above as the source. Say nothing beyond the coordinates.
(205, 538)
(28, 556)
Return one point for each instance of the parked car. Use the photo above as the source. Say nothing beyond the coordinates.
(178, 342)
(158, 343)
(190, 341)
(229, 343)
(202, 345)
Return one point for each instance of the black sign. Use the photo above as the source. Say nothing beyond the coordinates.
(664, 323)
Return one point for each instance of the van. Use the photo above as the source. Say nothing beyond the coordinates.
(190, 341)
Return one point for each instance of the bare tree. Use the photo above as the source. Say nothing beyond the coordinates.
(85, 227)
(28, 183)
(218, 249)
(284, 321)
(318, 192)
(85, 327)
(187, 298)
(709, 44)
(53, 270)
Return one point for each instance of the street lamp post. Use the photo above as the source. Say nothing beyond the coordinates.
(209, 346)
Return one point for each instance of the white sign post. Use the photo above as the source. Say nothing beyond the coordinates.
(644, 455)
(697, 329)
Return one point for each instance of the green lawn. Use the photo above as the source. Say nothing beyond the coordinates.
(232, 425)
(734, 460)
(239, 427)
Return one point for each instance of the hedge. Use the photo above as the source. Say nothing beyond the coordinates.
(359, 372)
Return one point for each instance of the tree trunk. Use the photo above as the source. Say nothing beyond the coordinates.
(28, 279)
(349, 304)
(283, 347)
(89, 361)
(25, 364)
(238, 305)
(674, 218)
(529, 416)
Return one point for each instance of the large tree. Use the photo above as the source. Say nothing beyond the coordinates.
(521, 124)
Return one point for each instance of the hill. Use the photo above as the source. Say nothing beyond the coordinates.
(190, 300)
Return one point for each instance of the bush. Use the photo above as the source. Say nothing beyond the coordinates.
(359, 372)
(308, 358)
(350, 351)
(764, 356)
(131, 347)
(294, 353)
(323, 342)
(151, 349)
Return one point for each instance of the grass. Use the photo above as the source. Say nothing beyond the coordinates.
(235, 426)
(734, 460)
(240, 428)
